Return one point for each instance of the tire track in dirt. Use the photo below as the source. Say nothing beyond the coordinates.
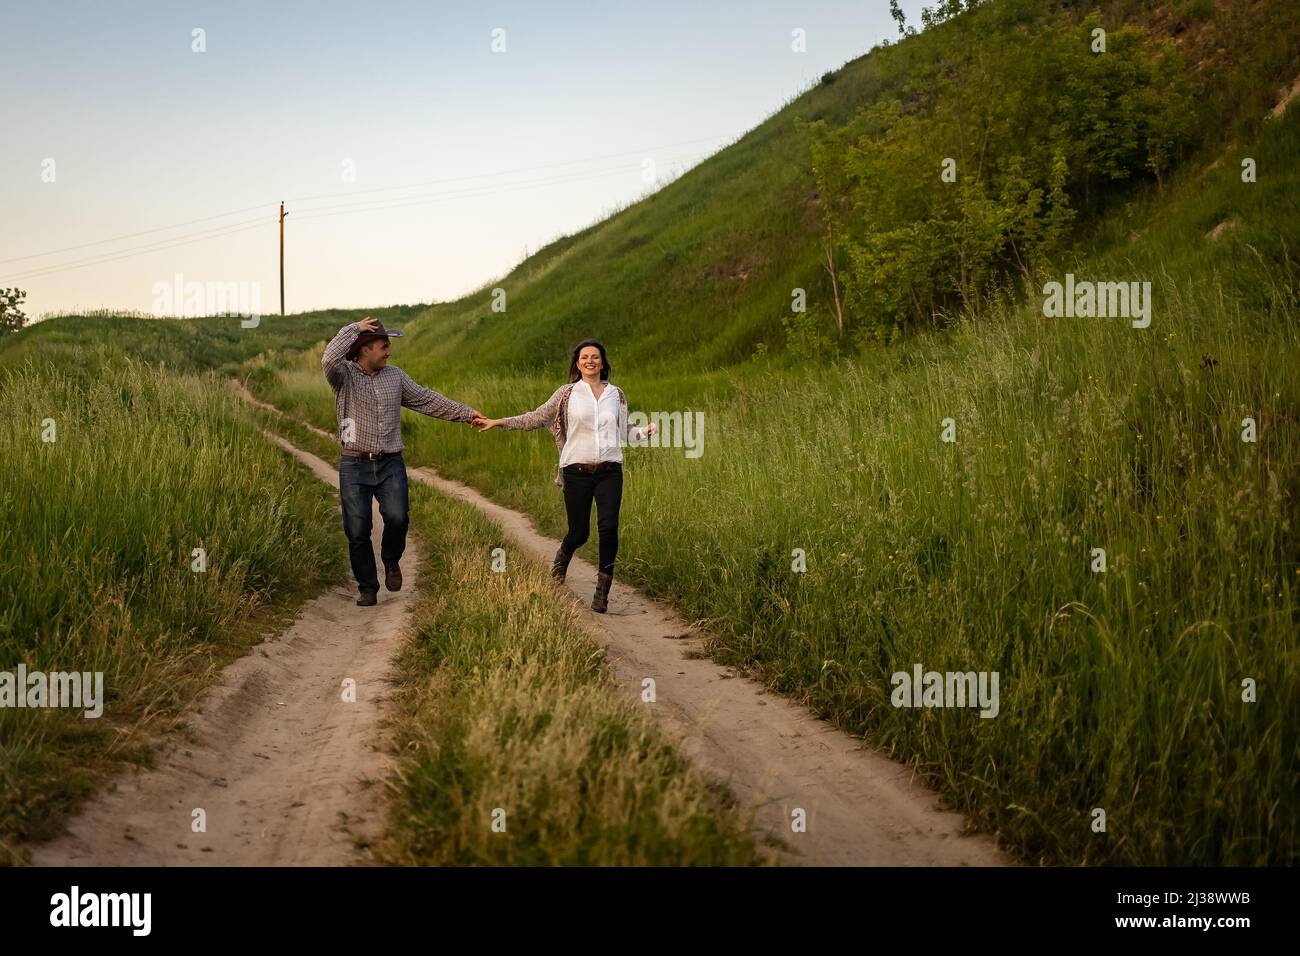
(281, 765)
(861, 807)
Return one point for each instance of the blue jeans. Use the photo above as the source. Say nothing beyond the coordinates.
(385, 480)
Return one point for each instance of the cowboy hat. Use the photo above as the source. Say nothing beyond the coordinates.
(365, 338)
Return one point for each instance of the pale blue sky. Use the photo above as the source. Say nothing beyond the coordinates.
(145, 133)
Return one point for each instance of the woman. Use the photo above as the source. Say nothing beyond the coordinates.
(588, 418)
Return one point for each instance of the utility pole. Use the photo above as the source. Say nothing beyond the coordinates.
(282, 215)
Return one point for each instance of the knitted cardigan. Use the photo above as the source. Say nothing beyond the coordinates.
(554, 415)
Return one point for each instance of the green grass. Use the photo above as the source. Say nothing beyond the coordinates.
(505, 701)
(505, 704)
(1120, 690)
(95, 562)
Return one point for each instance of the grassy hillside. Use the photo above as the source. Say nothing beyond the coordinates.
(701, 274)
(1121, 689)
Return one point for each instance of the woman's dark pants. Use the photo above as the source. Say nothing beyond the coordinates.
(606, 488)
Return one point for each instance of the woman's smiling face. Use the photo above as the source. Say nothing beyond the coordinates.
(589, 362)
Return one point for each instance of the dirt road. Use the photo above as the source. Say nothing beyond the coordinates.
(278, 761)
(860, 807)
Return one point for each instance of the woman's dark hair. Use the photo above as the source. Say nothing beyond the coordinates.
(605, 369)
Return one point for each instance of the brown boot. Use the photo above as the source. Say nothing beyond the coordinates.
(393, 578)
(600, 600)
(368, 599)
(560, 565)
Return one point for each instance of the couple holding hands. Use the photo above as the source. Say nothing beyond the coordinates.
(587, 416)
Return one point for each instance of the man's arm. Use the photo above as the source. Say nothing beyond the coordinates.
(428, 402)
(336, 352)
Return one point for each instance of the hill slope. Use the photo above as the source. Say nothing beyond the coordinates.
(704, 269)
(1124, 689)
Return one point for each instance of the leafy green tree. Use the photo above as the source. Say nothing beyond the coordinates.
(12, 317)
(979, 163)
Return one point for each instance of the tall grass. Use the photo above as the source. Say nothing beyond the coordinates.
(96, 555)
(507, 709)
(1121, 690)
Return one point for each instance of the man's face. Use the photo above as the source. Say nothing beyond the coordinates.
(374, 356)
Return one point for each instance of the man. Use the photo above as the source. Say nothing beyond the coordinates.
(368, 398)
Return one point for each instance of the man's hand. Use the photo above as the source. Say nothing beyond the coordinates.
(482, 424)
(367, 325)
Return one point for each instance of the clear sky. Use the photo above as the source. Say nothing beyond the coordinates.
(326, 104)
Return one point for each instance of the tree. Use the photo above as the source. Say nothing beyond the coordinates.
(901, 19)
(12, 317)
(971, 166)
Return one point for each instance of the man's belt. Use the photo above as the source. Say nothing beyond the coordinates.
(369, 455)
(593, 467)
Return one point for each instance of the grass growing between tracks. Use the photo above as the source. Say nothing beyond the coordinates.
(507, 709)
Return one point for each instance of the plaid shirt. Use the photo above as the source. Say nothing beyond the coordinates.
(374, 402)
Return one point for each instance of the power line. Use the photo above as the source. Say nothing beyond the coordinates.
(113, 255)
(505, 172)
(131, 235)
(319, 212)
(419, 199)
(431, 182)
(373, 205)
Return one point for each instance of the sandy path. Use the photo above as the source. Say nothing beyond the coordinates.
(279, 762)
(861, 807)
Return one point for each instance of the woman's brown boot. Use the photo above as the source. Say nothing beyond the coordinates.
(600, 600)
(560, 565)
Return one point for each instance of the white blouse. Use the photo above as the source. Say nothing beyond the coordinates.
(596, 428)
